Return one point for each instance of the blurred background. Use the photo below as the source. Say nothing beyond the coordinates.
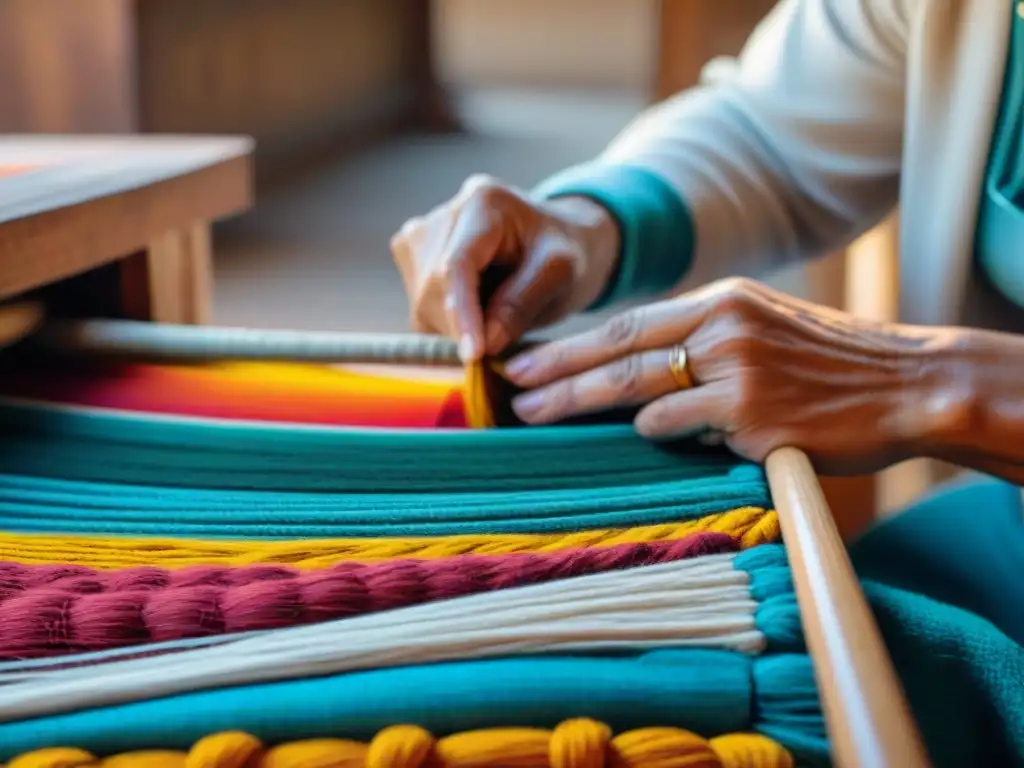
(367, 112)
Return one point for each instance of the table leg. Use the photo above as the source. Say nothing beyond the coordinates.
(172, 280)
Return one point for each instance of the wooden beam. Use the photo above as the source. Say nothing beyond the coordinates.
(693, 32)
(172, 280)
(868, 718)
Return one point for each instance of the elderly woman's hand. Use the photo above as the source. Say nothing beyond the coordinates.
(767, 370)
(558, 255)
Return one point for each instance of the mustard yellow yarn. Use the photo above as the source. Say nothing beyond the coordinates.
(749, 525)
(573, 744)
(475, 398)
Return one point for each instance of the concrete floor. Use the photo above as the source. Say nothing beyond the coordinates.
(314, 254)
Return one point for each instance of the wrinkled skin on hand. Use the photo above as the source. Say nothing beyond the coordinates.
(769, 371)
(558, 253)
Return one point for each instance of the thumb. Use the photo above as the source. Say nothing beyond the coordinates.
(542, 280)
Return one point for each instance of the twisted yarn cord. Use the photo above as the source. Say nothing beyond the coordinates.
(750, 526)
(577, 743)
(58, 609)
(704, 602)
(155, 341)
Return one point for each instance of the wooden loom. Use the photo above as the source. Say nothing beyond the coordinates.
(139, 214)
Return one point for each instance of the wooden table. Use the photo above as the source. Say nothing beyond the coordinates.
(140, 208)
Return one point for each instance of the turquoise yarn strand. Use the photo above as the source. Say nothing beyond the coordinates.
(51, 504)
(76, 471)
(709, 692)
(101, 447)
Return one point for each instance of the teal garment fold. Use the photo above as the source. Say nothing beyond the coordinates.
(39, 504)
(708, 692)
(1000, 228)
(944, 580)
(207, 454)
(963, 677)
(656, 229)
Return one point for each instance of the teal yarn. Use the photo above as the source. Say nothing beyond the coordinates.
(787, 707)
(41, 504)
(771, 585)
(207, 454)
(708, 692)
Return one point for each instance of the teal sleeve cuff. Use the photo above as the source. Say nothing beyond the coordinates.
(655, 226)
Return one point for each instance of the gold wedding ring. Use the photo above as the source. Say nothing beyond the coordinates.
(679, 367)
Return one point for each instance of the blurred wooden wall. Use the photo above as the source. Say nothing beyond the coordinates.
(300, 76)
(296, 75)
(563, 44)
(66, 66)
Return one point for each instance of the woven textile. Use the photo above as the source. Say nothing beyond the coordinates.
(337, 557)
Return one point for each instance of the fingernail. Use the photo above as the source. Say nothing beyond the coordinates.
(528, 405)
(518, 366)
(467, 348)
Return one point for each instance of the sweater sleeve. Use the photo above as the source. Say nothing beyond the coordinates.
(792, 154)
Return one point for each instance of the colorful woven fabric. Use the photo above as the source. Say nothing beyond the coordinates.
(941, 587)
(637, 571)
(299, 394)
(742, 602)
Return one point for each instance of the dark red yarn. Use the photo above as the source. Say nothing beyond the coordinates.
(47, 610)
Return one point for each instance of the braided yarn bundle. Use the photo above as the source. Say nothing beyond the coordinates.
(301, 566)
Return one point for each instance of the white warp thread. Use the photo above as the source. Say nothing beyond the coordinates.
(702, 602)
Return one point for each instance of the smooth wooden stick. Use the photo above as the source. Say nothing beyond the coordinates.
(869, 722)
(17, 321)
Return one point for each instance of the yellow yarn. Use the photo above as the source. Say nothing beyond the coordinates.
(475, 400)
(573, 744)
(750, 525)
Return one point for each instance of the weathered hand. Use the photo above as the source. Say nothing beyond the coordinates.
(558, 255)
(768, 370)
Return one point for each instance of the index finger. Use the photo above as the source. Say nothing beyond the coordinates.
(474, 243)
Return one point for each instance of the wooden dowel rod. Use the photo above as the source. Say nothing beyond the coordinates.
(868, 719)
